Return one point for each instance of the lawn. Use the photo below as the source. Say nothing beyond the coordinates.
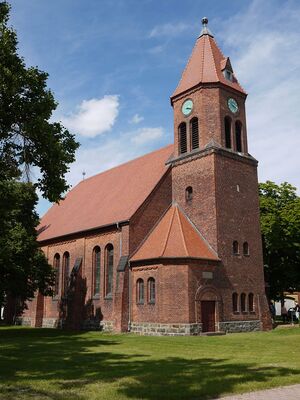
(52, 364)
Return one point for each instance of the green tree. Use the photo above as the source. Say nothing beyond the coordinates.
(280, 225)
(27, 140)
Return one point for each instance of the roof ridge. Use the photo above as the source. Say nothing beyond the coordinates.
(124, 163)
(213, 55)
(168, 233)
(181, 230)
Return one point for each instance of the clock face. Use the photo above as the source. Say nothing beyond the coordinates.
(233, 105)
(187, 107)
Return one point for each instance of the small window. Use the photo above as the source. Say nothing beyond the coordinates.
(227, 123)
(96, 270)
(140, 291)
(151, 290)
(65, 272)
(235, 247)
(109, 265)
(243, 302)
(238, 136)
(235, 302)
(56, 266)
(228, 75)
(251, 302)
(194, 130)
(182, 138)
(189, 193)
(246, 249)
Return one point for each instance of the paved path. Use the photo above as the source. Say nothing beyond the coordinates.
(281, 393)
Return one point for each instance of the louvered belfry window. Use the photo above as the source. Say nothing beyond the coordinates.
(194, 129)
(238, 136)
(228, 132)
(182, 138)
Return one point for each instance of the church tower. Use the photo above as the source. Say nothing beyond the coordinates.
(215, 178)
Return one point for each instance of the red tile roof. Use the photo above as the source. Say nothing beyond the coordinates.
(205, 66)
(109, 197)
(174, 236)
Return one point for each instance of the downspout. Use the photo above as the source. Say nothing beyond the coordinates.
(129, 297)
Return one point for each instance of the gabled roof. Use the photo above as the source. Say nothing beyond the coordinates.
(106, 198)
(205, 65)
(174, 236)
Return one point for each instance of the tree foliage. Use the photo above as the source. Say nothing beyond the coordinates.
(27, 138)
(26, 105)
(280, 225)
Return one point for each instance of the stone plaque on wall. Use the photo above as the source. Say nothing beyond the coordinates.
(207, 275)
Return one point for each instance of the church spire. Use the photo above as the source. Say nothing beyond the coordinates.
(206, 65)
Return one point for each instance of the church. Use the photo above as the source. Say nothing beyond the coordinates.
(168, 243)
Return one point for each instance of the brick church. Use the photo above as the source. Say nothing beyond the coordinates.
(168, 243)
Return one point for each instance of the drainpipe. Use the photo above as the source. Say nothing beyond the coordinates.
(129, 297)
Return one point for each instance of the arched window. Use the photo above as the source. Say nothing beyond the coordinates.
(109, 264)
(56, 266)
(243, 302)
(194, 131)
(238, 136)
(235, 302)
(96, 270)
(151, 290)
(140, 291)
(65, 272)
(251, 302)
(246, 249)
(189, 193)
(235, 247)
(227, 123)
(182, 138)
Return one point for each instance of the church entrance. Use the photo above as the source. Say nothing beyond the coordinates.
(208, 314)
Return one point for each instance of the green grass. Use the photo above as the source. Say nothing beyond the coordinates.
(56, 365)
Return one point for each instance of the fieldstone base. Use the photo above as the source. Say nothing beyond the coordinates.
(51, 323)
(154, 329)
(24, 321)
(240, 326)
(107, 326)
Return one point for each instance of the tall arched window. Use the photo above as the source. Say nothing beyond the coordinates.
(251, 302)
(235, 247)
(235, 302)
(246, 249)
(194, 131)
(96, 270)
(56, 266)
(140, 291)
(151, 290)
(243, 302)
(238, 136)
(65, 272)
(182, 138)
(109, 264)
(227, 124)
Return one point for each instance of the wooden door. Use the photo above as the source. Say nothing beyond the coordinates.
(208, 311)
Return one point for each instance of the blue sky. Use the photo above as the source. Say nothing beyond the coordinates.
(114, 64)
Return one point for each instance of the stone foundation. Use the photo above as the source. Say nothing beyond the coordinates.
(154, 329)
(240, 326)
(51, 323)
(24, 321)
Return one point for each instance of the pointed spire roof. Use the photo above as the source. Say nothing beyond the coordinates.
(206, 65)
(174, 236)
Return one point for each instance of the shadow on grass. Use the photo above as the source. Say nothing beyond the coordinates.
(67, 360)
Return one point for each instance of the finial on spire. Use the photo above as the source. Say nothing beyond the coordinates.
(205, 30)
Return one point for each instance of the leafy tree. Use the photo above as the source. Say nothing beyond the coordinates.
(280, 225)
(27, 139)
(26, 105)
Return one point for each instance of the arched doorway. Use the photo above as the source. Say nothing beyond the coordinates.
(208, 306)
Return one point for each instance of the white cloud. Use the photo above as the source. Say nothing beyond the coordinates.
(136, 119)
(93, 117)
(265, 53)
(169, 29)
(145, 135)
